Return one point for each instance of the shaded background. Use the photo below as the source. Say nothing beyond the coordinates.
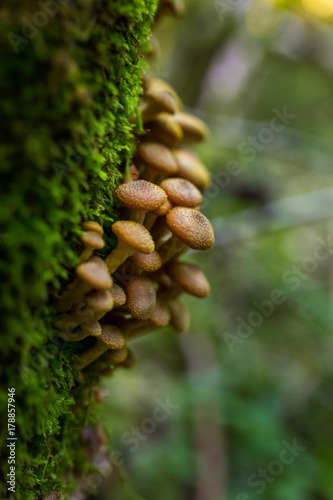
(243, 394)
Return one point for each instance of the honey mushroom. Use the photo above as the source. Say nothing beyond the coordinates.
(156, 159)
(180, 317)
(189, 278)
(192, 169)
(189, 228)
(152, 84)
(128, 362)
(92, 274)
(140, 196)
(91, 241)
(157, 101)
(110, 338)
(118, 295)
(148, 263)
(91, 225)
(97, 304)
(89, 328)
(132, 237)
(194, 129)
(141, 297)
(159, 318)
(163, 129)
(181, 192)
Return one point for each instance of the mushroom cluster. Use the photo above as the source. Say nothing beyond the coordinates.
(137, 287)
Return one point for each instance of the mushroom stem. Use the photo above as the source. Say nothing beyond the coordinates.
(171, 248)
(69, 321)
(110, 338)
(90, 355)
(118, 256)
(138, 216)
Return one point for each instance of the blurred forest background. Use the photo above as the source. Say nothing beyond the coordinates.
(254, 375)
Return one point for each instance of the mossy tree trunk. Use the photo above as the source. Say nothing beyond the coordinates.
(71, 74)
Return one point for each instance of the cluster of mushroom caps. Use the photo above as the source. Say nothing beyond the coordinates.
(160, 221)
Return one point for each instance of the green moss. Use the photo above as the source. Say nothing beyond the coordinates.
(69, 90)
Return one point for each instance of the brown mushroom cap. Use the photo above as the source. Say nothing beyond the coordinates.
(181, 192)
(141, 297)
(191, 227)
(111, 337)
(163, 209)
(94, 273)
(141, 195)
(163, 99)
(150, 83)
(116, 355)
(91, 327)
(118, 294)
(90, 225)
(100, 300)
(164, 129)
(189, 277)
(191, 168)
(134, 235)
(158, 157)
(194, 129)
(92, 239)
(180, 317)
(148, 263)
(160, 315)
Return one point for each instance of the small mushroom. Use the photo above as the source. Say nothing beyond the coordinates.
(141, 297)
(115, 356)
(194, 129)
(110, 338)
(191, 168)
(91, 225)
(148, 263)
(160, 315)
(189, 278)
(92, 274)
(158, 159)
(118, 295)
(151, 83)
(90, 327)
(163, 129)
(157, 101)
(190, 228)
(140, 196)
(132, 237)
(100, 301)
(180, 317)
(92, 241)
(159, 318)
(181, 192)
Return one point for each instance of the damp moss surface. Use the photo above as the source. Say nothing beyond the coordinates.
(71, 74)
